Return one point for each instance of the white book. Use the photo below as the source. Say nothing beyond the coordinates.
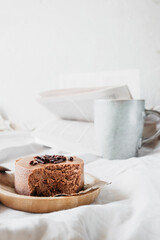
(78, 103)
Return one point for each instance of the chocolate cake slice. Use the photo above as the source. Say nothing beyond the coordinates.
(49, 175)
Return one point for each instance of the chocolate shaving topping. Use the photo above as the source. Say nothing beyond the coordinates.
(71, 159)
(49, 159)
(33, 162)
(59, 161)
(40, 161)
(38, 157)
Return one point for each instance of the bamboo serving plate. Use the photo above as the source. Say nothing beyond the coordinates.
(32, 204)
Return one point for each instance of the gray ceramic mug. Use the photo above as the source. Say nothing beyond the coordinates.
(119, 126)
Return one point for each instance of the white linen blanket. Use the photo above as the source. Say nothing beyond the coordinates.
(128, 209)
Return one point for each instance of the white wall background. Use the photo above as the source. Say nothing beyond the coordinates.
(41, 39)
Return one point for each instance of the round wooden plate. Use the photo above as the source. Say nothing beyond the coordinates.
(11, 199)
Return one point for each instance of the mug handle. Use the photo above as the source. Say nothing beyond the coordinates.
(151, 138)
